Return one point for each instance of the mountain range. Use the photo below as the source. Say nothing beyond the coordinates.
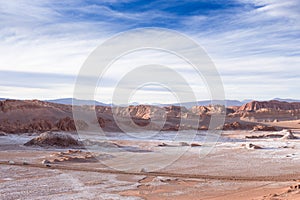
(209, 102)
(70, 101)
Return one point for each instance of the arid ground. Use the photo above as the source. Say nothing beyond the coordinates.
(233, 169)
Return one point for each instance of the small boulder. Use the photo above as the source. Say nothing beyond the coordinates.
(162, 145)
(252, 146)
(203, 128)
(144, 170)
(2, 133)
(25, 163)
(11, 162)
(184, 144)
(295, 187)
(195, 145)
(45, 162)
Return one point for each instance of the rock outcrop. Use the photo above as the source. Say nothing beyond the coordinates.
(72, 156)
(264, 128)
(49, 139)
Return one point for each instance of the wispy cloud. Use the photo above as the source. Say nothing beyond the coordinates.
(251, 42)
(34, 80)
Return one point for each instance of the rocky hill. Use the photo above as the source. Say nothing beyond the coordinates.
(18, 116)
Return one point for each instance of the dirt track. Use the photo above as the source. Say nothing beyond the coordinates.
(282, 178)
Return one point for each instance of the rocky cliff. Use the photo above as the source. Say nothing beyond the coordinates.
(269, 111)
(269, 105)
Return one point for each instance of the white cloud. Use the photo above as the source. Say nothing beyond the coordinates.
(277, 8)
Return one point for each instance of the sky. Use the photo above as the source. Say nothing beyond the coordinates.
(254, 44)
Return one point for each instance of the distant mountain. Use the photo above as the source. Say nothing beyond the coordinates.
(287, 100)
(247, 101)
(206, 103)
(69, 101)
(132, 104)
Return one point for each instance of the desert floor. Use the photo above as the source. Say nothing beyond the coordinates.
(153, 169)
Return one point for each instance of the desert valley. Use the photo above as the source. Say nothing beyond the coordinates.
(255, 156)
(149, 100)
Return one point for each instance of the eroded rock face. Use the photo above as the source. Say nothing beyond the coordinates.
(268, 111)
(211, 109)
(18, 116)
(26, 127)
(30, 116)
(66, 124)
(273, 105)
(101, 122)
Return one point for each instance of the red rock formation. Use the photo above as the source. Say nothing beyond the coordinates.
(268, 111)
(233, 108)
(101, 122)
(66, 124)
(273, 105)
(174, 111)
(199, 110)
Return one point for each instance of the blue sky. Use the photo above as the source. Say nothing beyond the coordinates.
(255, 44)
